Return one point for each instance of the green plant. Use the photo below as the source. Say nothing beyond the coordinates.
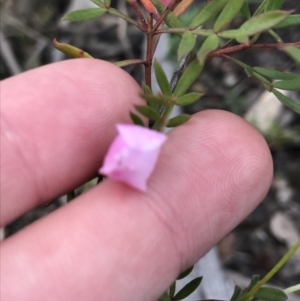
(205, 36)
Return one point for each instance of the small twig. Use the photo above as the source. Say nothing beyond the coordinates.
(177, 74)
(149, 53)
(240, 47)
(139, 14)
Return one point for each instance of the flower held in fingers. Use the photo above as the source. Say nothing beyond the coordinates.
(132, 155)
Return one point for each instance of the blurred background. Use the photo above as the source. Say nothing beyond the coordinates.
(27, 30)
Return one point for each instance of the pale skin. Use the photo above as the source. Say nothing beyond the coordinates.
(113, 242)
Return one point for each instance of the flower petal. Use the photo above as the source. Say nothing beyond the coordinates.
(132, 155)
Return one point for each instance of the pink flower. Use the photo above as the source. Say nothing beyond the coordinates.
(132, 155)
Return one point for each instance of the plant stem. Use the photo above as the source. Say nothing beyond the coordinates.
(275, 269)
(149, 53)
(240, 47)
(163, 16)
(162, 122)
(292, 289)
(139, 14)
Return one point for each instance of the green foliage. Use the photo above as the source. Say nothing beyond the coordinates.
(172, 290)
(230, 11)
(293, 52)
(292, 20)
(171, 20)
(178, 120)
(236, 293)
(158, 99)
(162, 79)
(188, 99)
(293, 84)
(287, 101)
(274, 74)
(148, 112)
(245, 11)
(273, 4)
(188, 289)
(208, 12)
(70, 50)
(186, 45)
(85, 14)
(136, 119)
(191, 73)
(158, 108)
(210, 44)
(256, 24)
(270, 294)
(185, 273)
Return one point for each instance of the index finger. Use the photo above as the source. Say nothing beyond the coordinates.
(56, 124)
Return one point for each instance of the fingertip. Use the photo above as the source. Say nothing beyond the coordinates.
(58, 121)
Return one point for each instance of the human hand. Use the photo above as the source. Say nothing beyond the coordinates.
(113, 242)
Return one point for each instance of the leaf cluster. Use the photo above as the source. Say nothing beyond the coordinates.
(211, 23)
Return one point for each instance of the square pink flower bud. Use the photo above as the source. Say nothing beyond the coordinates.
(132, 155)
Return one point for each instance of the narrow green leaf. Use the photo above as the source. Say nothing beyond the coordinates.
(99, 3)
(292, 20)
(273, 4)
(276, 268)
(242, 39)
(188, 99)
(158, 100)
(274, 74)
(256, 24)
(136, 119)
(107, 2)
(271, 294)
(276, 36)
(230, 11)
(149, 112)
(147, 89)
(254, 281)
(70, 50)
(173, 122)
(172, 289)
(229, 34)
(161, 78)
(203, 32)
(85, 14)
(236, 293)
(185, 273)
(260, 8)
(263, 80)
(287, 101)
(208, 12)
(263, 22)
(190, 74)
(289, 84)
(210, 44)
(186, 45)
(191, 286)
(164, 297)
(171, 20)
(128, 62)
(245, 10)
(294, 53)
(248, 70)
